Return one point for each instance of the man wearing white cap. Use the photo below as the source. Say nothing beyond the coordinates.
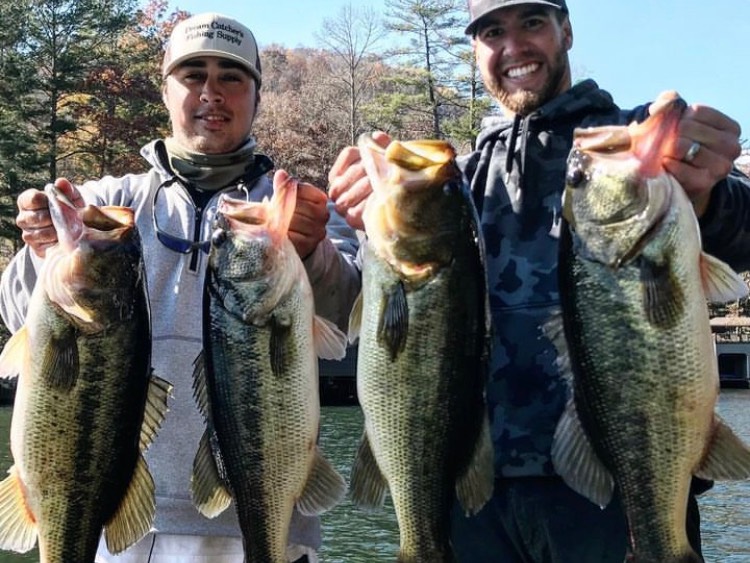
(212, 77)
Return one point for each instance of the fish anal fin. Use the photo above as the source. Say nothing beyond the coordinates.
(330, 341)
(18, 532)
(576, 462)
(15, 354)
(474, 487)
(367, 485)
(324, 488)
(727, 457)
(210, 493)
(135, 515)
(156, 409)
(721, 283)
(394, 320)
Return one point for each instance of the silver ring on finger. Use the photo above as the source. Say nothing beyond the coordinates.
(692, 151)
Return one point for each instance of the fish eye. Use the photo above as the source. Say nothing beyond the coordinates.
(575, 176)
(218, 237)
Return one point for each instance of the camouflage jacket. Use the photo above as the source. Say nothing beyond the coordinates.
(517, 175)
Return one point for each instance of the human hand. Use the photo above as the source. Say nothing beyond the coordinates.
(348, 184)
(34, 218)
(699, 169)
(308, 224)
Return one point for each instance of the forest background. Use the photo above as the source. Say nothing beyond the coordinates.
(80, 89)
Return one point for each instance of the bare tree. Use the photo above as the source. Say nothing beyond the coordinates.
(351, 38)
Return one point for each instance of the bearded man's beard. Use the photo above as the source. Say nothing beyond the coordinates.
(523, 102)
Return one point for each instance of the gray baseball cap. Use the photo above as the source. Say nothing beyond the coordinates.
(480, 8)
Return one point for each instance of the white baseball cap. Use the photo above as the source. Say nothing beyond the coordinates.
(212, 35)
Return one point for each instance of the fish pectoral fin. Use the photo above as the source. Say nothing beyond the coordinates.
(330, 341)
(60, 361)
(324, 488)
(474, 487)
(394, 320)
(18, 532)
(576, 462)
(721, 283)
(156, 409)
(355, 319)
(14, 353)
(210, 494)
(134, 516)
(367, 483)
(663, 297)
(727, 457)
(278, 346)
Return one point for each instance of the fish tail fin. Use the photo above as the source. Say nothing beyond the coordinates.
(210, 494)
(367, 483)
(474, 487)
(134, 516)
(18, 531)
(324, 489)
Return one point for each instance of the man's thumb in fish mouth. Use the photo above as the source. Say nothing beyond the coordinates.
(69, 191)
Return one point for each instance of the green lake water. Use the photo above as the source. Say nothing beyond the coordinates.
(353, 535)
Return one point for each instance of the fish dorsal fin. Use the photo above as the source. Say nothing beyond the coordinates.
(133, 518)
(18, 532)
(721, 283)
(156, 409)
(575, 461)
(727, 457)
(367, 484)
(15, 353)
(474, 487)
(324, 488)
(330, 341)
(210, 493)
(355, 319)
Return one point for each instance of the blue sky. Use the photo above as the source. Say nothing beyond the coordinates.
(636, 50)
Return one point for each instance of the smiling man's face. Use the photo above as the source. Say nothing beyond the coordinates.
(211, 103)
(522, 53)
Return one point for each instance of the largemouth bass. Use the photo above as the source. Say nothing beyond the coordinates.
(422, 322)
(257, 380)
(86, 405)
(634, 286)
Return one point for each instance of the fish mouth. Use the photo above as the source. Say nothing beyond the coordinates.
(648, 141)
(420, 164)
